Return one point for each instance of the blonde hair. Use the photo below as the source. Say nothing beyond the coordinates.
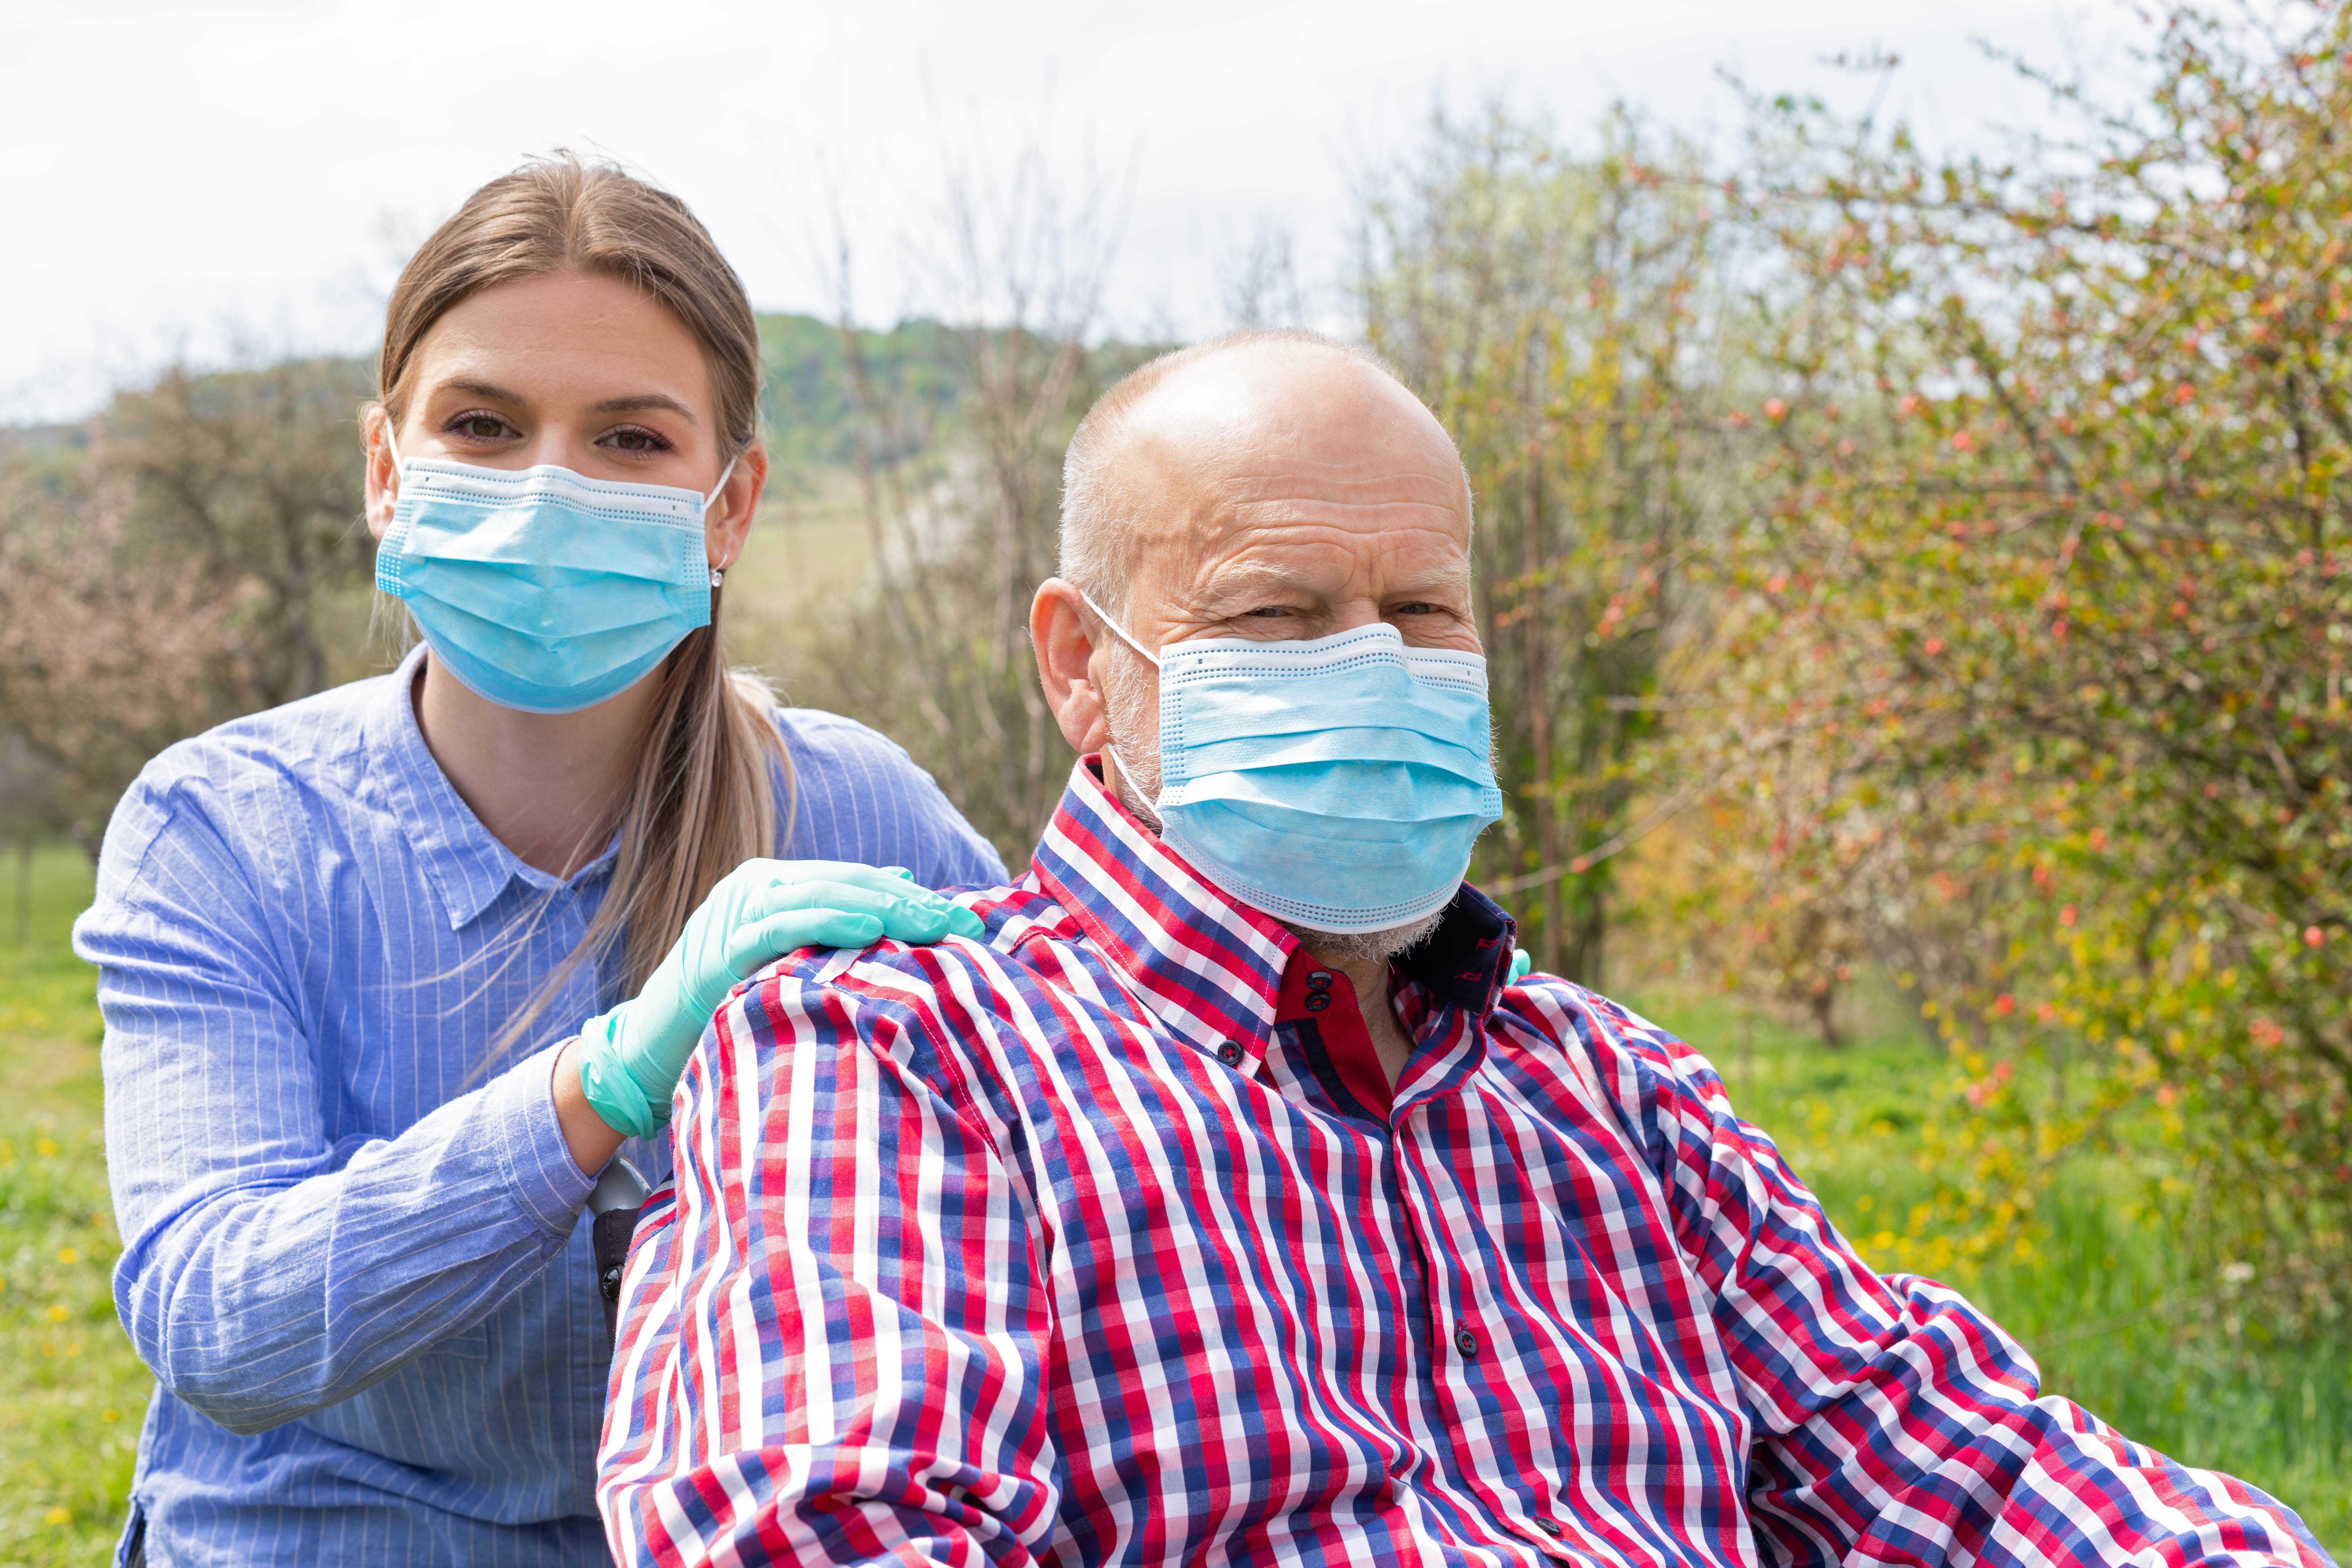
(701, 798)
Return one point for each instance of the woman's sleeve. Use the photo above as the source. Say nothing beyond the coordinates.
(858, 795)
(266, 1271)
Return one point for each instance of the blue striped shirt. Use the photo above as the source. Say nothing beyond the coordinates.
(354, 1251)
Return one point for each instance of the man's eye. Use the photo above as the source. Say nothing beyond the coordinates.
(1266, 610)
(1420, 609)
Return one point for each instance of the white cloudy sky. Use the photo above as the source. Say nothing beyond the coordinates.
(215, 176)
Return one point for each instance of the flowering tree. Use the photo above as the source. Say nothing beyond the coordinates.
(1554, 311)
(195, 552)
(106, 655)
(2035, 674)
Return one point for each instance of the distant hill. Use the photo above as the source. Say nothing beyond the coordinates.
(808, 398)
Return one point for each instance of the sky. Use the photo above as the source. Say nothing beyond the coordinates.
(226, 179)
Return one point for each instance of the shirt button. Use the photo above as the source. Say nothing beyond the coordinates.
(1550, 1528)
(1318, 980)
(1467, 1344)
(1317, 1000)
(1230, 1054)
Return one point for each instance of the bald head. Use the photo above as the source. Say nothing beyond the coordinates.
(1275, 485)
(1272, 486)
(1203, 439)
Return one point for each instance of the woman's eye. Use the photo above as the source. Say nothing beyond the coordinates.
(637, 441)
(482, 426)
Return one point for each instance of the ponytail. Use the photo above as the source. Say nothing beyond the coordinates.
(704, 782)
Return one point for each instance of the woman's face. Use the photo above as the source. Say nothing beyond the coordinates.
(583, 372)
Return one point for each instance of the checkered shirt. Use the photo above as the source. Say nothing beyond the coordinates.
(1105, 1239)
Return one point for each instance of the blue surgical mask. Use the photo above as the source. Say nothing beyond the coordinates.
(543, 589)
(1336, 784)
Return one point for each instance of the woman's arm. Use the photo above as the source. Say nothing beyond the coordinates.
(590, 1139)
(268, 1270)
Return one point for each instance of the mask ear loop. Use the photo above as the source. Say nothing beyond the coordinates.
(718, 574)
(1154, 658)
(1121, 630)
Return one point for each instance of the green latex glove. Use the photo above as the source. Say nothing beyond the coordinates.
(631, 1056)
(1521, 963)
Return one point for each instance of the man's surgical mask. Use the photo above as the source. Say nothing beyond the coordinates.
(1336, 784)
(543, 589)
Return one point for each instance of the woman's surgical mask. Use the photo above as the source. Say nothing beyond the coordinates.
(543, 589)
(1336, 784)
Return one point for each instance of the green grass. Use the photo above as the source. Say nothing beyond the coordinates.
(2101, 1299)
(71, 1392)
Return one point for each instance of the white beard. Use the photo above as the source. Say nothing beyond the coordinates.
(1134, 746)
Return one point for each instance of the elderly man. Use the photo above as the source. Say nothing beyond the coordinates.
(1227, 1203)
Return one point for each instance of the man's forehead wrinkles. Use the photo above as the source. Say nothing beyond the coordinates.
(1351, 516)
(1336, 486)
(1317, 561)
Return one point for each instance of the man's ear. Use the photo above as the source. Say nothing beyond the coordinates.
(1058, 630)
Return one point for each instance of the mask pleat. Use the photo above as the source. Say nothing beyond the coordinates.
(1338, 783)
(543, 590)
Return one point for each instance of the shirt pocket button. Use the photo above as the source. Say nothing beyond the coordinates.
(1467, 1344)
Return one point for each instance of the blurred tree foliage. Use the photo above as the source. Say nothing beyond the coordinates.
(171, 565)
(1954, 552)
(1564, 316)
(2032, 677)
(812, 399)
(248, 483)
(957, 458)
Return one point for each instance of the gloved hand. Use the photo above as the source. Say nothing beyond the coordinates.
(1521, 963)
(631, 1056)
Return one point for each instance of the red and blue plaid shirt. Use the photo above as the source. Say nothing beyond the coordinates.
(1104, 1241)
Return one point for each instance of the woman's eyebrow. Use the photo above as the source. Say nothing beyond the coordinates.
(491, 390)
(643, 401)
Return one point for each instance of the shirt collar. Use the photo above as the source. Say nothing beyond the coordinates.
(1210, 967)
(467, 865)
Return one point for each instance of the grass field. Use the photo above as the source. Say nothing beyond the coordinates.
(2102, 1301)
(71, 1393)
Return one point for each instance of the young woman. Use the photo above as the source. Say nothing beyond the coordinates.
(389, 975)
